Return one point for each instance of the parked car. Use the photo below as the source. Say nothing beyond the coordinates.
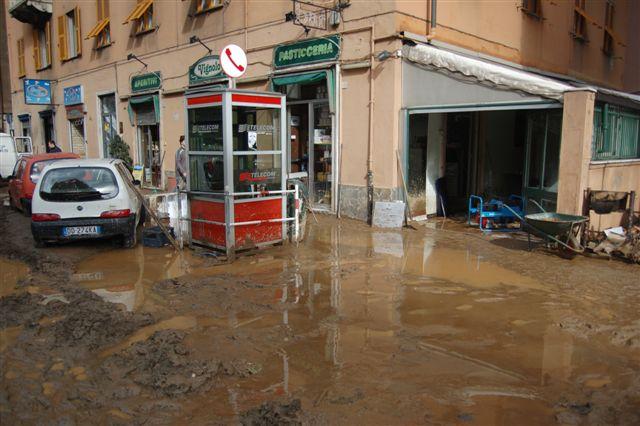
(26, 174)
(84, 199)
(12, 148)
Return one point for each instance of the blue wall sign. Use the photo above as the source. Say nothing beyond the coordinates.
(73, 95)
(37, 92)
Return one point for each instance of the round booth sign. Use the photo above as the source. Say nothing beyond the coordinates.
(233, 60)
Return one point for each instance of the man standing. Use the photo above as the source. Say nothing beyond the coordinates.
(52, 147)
(181, 165)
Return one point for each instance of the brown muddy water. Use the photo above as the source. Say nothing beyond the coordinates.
(425, 326)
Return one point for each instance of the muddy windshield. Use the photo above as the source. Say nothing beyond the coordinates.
(78, 183)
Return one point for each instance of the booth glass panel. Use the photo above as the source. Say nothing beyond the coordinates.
(256, 129)
(254, 173)
(205, 129)
(207, 173)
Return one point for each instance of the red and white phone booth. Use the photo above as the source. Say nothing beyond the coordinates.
(237, 179)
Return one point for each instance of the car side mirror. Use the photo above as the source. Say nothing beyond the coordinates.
(136, 182)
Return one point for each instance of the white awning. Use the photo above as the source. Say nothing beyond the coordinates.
(498, 76)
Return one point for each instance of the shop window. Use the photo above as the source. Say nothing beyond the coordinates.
(615, 133)
(21, 67)
(203, 6)
(532, 7)
(607, 42)
(142, 16)
(102, 30)
(579, 20)
(69, 40)
(42, 46)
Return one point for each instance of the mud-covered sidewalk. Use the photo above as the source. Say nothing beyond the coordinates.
(436, 325)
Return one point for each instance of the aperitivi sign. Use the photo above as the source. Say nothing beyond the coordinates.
(145, 82)
(307, 52)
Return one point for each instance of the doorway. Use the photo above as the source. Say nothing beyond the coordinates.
(107, 122)
(149, 154)
(76, 135)
(311, 149)
(311, 135)
(48, 130)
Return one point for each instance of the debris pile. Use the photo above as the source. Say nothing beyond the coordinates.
(619, 242)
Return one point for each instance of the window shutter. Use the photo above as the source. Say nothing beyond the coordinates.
(36, 48)
(21, 67)
(47, 37)
(77, 35)
(62, 37)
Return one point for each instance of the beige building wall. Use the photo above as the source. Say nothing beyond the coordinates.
(499, 29)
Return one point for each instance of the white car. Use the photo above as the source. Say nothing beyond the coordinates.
(81, 199)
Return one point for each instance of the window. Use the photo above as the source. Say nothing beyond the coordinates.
(203, 6)
(579, 20)
(69, 41)
(21, 67)
(531, 7)
(42, 46)
(607, 43)
(79, 184)
(142, 15)
(615, 133)
(101, 31)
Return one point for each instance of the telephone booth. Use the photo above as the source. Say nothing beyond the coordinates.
(236, 182)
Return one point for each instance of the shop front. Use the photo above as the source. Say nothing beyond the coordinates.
(144, 114)
(306, 73)
(74, 107)
(480, 129)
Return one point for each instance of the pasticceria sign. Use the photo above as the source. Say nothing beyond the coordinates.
(307, 52)
(205, 69)
(144, 82)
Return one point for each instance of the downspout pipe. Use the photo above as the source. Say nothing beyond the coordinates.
(370, 145)
(431, 31)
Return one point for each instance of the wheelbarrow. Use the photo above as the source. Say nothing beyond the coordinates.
(562, 230)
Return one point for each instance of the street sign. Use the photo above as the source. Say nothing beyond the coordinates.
(73, 95)
(309, 15)
(145, 82)
(233, 60)
(37, 92)
(307, 52)
(205, 69)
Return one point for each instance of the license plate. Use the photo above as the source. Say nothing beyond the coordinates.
(68, 231)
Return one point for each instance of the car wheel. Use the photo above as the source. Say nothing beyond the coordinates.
(130, 240)
(26, 210)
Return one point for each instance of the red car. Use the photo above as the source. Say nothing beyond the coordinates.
(25, 176)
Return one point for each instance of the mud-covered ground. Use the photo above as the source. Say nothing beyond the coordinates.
(433, 325)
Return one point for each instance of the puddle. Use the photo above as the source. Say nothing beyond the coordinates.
(11, 271)
(363, 327)
(123, 276)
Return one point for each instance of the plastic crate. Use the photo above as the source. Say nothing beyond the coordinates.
(154, 237)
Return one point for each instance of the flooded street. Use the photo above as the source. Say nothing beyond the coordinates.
(434, 325)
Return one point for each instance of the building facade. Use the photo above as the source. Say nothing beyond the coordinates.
(524, 97)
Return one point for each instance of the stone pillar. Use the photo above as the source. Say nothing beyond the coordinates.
(575, 150)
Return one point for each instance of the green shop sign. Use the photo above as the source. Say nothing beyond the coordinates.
(145, 82)
(307, 52)
(205, 69)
